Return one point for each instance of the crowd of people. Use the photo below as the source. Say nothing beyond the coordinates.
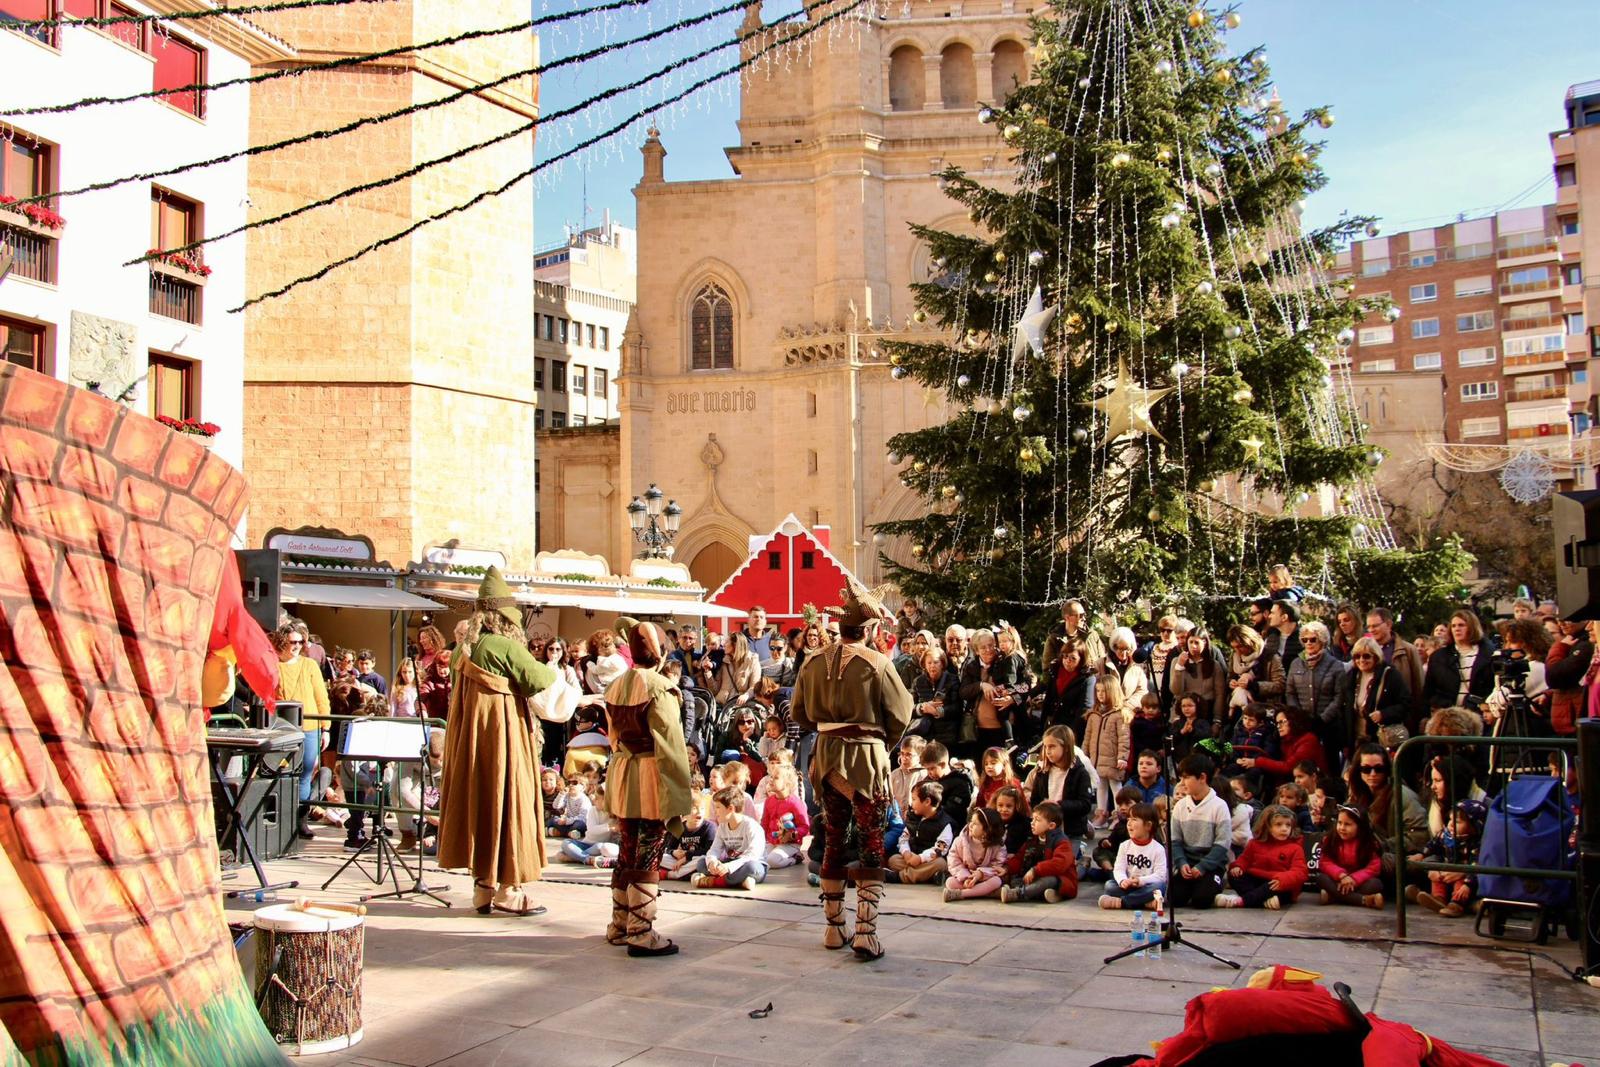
(1032, 780)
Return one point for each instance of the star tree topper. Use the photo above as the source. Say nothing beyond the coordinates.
(1127, 406)
(1034, 325)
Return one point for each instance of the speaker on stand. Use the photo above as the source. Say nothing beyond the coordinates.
(258, 573)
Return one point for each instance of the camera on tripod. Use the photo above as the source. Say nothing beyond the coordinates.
(1510, 668)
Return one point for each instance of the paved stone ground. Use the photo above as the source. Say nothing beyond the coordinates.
(453, 987)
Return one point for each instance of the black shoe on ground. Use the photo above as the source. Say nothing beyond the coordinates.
(356, 843)
(302, 829)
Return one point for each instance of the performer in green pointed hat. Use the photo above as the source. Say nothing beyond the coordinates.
(490, 818)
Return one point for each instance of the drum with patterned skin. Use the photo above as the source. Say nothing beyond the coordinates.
(308, 977)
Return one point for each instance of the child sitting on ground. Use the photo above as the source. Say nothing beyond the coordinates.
(783, 817)
(736, 859)
(596, 846)
(1104, 857)
(954, 785)
(997, 774)
(1351, 860)
(1047, 867)
(1292, 795)
(1272, 869)
(735, 774)
(1247, 790)
(572, 811)
(1240, 815)
(1331, 791)
(1148, 779)
(1202, 836)
(977, 861)
(549, 793)
(1450, 893)
(1061, 778)
(772, 739)
(926, 840)
(1140, 870)
(1254, 735)
(908, 770)
(783, 757)
(1016, 828)
(683, 850)
(1148, 730)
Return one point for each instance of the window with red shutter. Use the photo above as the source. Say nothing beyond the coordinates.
(178, 64)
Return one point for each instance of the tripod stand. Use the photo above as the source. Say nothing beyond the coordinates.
(1173, 934)
(418, 886)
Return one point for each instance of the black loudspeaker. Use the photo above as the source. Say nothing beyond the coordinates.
(1589, 908)
(274, 801)
(258, 573)
(1576, 520)
(1589, 784)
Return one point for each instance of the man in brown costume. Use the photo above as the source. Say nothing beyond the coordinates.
(854, 698)
(489, 812)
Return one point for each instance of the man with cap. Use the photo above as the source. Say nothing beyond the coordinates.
(647, 788)
(489, 811)
(853, 697)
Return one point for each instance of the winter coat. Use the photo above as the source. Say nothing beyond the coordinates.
(1212, 692)
(1066, 707)
(1145, 734)
(946, 692)
(967, 858)
(1299, 747)
(1266, 683)
(1443, 682)
(1339, 858)
(1051, 857)
(1564, 668)
(1287, 649)
(1388, 695)
(1405, 658)
(1283, 860)
(1002, 673)
(1105, 740)
(1315, 690)
(1076, 799)
(1135, 684)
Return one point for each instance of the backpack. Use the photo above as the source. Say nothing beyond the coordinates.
(1528, 825)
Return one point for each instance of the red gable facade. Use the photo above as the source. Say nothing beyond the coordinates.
(786, 569)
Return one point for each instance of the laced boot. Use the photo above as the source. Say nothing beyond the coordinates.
(837, 933)
(869, 893)
(617, 929)
(642, 937)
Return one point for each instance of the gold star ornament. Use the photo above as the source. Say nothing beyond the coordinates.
(1252, 448)
(1127, 406)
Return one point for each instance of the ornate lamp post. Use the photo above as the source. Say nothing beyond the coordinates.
(654, 526)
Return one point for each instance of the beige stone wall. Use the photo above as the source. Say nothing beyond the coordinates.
(812, 236)
(377, 393)
(582, 501)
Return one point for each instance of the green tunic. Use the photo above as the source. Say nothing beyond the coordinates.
(865, 692)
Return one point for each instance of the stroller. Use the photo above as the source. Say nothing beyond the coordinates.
(1529, 825)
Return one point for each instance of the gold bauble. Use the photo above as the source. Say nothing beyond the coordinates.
(1027, 454)
(1111, 326)
(1223, 76)
(1301, 158)
(919, 316)
(1163, 155)
(920, 467)
(1000, 258)
(1197, 18)
(1234, 20)
(1121, 159)
(895, 359)
(1040, 120)
(1027, 109)
(1243, 395)
(1207, 486)
(991, 277)
(948, 492)
(1154, 514)
(917, 550)
(997, 554)
(1325, 120)
(1073, 323)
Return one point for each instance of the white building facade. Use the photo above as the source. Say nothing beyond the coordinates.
(161, 336)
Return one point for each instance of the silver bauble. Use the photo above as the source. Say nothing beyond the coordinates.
(1021, 412)
(1178, 369)
(1346, 337)
(1170, 221)
(897, 373)
(894, 459)
(1001, 533)
(1373, 229)
(986, 114)
(962, 381)
(1084, 83)
(1080, 435)
(1049, 157)
(1233, 333)
(1391, 314)
(1035, 258)
(1163, 66)
(1213, 170)
(1204, 289)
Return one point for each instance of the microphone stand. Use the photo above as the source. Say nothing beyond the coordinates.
(1173, 934)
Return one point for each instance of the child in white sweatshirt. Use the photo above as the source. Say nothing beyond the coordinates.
(1140, 871)
(597, 846)
(737, 859)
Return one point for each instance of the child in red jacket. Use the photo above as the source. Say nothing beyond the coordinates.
(1272, 869)
(1351, 860)
(1047, 866)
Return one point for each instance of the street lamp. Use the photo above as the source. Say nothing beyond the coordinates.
(654, 525)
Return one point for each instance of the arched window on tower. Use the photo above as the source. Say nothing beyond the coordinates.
(711, 330)
(1009, 68)
(906, 91)
(958, 78)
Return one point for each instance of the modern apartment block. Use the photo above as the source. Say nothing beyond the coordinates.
(1577, 168)
(584, 293)
(1493, 307)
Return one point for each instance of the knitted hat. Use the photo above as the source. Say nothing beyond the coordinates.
(1474, 811)
(858, 605)
(495, 595)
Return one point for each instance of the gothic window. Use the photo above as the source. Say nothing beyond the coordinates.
(958, 78)
(711, 330)
(905, 79)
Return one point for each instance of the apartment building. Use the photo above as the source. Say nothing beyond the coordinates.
(1491, 306)
(583, 295)
(157, 335)
(1576, 150)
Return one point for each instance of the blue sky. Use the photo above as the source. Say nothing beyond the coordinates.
(1442, 106)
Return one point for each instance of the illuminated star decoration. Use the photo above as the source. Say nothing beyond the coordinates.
(1034, 325)
(931, 397)
(1252, 449)
(1127, 406)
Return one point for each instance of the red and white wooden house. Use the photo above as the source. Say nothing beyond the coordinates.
(786, 570)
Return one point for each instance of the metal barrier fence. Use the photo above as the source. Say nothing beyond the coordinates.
(1401, 861)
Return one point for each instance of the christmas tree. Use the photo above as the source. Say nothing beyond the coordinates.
(1145, 350)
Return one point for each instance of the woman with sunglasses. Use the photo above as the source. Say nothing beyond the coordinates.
(300, 680)
(1374, 790)
(1373, 696)
(1313, 683)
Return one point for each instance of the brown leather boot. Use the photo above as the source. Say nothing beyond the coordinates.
(869, 893)
(617, 929)
(642, 937)
(837, 933)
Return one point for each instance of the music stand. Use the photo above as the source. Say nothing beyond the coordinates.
(418, 886)
(383, 742)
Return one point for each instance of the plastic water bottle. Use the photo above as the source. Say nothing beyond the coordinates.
(1138, 935)
(262, 896)
(1152, 937)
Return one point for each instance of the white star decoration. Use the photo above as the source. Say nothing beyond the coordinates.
(1034, 325)
(1127, 406)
